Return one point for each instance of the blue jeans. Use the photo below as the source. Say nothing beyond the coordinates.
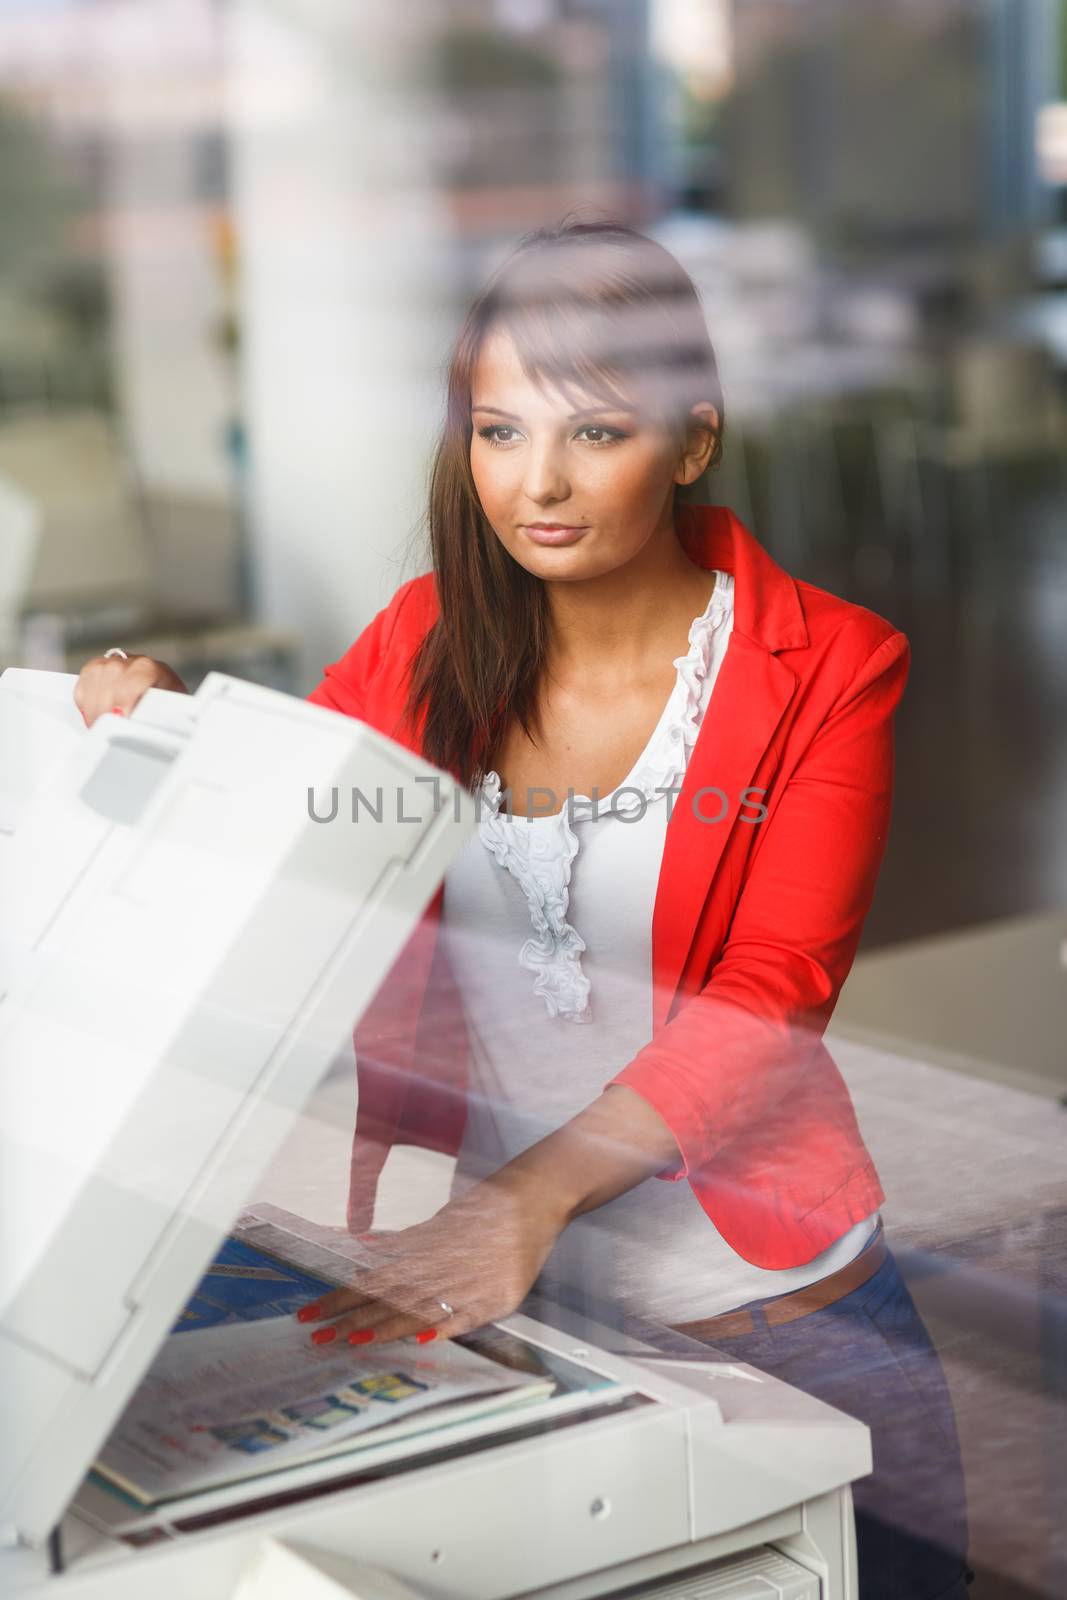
(869, 1355)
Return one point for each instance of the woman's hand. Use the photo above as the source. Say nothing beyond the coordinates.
(109, 683)
(480, 1255)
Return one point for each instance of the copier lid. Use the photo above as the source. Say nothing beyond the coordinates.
(184, 950)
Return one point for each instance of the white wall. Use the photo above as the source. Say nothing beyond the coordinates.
(155, 70)
(345, 320)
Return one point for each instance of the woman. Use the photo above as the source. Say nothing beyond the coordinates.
(627, 975)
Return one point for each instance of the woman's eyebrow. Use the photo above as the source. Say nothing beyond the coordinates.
(575, 416)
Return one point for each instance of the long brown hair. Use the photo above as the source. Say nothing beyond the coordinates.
(596, 305)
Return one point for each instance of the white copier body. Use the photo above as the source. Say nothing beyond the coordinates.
(186, 943)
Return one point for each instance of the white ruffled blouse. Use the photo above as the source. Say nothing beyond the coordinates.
(539, 852)
(508, 899)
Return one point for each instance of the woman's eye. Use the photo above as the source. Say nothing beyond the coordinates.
(492, 432)
(607, 435)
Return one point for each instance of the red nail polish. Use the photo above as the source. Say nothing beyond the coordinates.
(309, 1313)
(118, 711)
(323, 1335)
(361, 1336)
(426, 1335)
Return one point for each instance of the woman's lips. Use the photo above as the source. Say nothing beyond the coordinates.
(554, 535)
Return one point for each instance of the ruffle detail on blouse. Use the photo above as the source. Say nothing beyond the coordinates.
(540, 860)
(539, 852)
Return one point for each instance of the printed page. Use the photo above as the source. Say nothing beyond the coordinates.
(224, 1403)
(245, 1284)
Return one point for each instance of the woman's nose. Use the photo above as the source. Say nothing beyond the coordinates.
(545, 477)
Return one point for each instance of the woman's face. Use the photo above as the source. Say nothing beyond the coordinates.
(541, 461)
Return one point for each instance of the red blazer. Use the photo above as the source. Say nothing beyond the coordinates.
(755, 924)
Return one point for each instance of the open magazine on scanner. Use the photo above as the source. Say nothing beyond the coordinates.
(183, 953)
(250, 1394)
(238, 1401)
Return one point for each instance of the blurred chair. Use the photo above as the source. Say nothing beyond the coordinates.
(92, 552)
(94, 578)
(1004, 415)
(1007, 404)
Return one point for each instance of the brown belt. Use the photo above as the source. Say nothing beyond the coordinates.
(800, 1303)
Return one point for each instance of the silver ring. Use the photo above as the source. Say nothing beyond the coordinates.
(448, 1310)
(115, 651)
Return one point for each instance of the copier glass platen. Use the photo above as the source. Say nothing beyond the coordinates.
(142, 1098)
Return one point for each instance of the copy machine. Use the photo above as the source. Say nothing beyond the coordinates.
(184, 949)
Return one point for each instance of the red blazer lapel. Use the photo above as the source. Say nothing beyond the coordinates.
(750, 696)
(752, 691)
